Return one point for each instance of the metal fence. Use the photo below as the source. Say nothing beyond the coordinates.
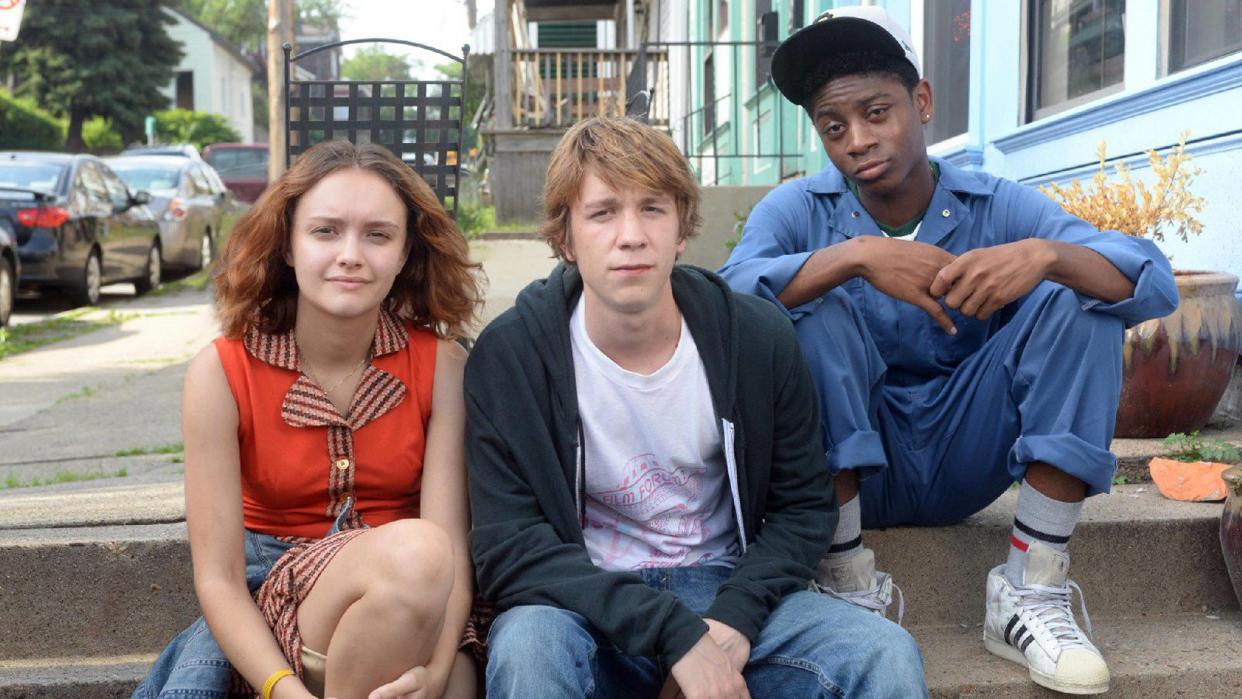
(728, 119)
(554, 88)
(420, 121)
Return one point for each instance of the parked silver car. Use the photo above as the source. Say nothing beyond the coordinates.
(193, 211)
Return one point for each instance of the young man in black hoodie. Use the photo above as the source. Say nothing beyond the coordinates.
(648, 492)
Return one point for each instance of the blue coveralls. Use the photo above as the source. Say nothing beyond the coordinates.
(939, 425)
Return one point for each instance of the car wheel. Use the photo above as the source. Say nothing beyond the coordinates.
(152, 272)
(8, 291)
(86, 293)
(205, 250)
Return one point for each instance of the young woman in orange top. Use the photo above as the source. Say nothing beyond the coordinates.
(324, 474)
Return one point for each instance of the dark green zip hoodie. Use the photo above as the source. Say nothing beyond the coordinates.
(526, 469)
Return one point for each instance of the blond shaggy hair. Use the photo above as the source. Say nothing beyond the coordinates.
(622, 152)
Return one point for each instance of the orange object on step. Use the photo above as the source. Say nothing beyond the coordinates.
(1197, 481)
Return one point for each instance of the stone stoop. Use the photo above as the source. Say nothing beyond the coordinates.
(103, 677)
(91, 606)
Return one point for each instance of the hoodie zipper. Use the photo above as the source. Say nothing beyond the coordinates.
(579, 477)
(728, 437)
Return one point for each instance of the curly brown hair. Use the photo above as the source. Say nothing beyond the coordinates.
(438, 288)
(620, 151)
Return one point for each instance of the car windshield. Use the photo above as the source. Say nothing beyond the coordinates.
(237, 163)
(150, 178)
(40, 176)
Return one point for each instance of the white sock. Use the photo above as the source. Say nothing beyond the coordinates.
(1039, 518)
(847, 539)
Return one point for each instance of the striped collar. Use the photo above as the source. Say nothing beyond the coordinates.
(306, 405)
(281, 350)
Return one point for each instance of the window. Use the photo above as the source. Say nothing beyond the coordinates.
(92, 194)
(709, 95)
(946, 64)
(1077, 54)
(118, 194)
(1201, 30)
(766, 39)
(201, 186)
(185, 90)
(567, 35)
(797, 9)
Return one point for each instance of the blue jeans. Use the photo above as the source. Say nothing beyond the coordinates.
(812, 646)
(193, 664)
(1044, 387)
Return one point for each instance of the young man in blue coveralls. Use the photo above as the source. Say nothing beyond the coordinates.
(964, 333)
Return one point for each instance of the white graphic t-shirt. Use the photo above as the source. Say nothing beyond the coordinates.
(657, 491)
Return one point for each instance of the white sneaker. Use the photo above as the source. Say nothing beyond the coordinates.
(856, 581)
(1033, 625)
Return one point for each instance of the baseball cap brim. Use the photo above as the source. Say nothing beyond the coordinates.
(806, 48)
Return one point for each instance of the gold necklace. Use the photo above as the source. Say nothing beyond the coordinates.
(310, 371)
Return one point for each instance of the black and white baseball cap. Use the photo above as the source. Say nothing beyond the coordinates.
(843, 30)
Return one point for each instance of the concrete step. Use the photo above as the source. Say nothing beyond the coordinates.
(1151, 570)
(1186, 655)
(108, 677)
(93, 591)
(1134, 551)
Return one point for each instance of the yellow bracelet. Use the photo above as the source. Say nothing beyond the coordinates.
(273, 679)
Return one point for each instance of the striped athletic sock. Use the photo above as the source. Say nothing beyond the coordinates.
(1039, 518)
(847, 539)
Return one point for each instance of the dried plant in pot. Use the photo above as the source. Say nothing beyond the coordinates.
(1177, 367)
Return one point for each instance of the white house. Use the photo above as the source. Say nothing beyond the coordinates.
(214, 76)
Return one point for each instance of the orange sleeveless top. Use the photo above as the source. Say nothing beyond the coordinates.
(301, 460)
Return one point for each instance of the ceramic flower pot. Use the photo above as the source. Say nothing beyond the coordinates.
(1231, 529)
(1176, 368)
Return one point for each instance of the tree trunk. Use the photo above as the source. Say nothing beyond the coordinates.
(73, 136)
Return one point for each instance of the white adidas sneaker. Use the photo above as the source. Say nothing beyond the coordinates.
(1033, 625)
(856, 581)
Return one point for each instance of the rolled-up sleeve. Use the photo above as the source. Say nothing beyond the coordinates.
(774, 246)
(1155, 292)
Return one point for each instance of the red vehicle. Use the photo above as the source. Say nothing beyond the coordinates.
(242, 167)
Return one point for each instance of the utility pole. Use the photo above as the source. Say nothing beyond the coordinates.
(279, 31)
(471, 14)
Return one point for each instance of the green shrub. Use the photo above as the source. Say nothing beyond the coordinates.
(1192, 447)
(99, 136)
(200, 128)
(474, 219)
(25, 126)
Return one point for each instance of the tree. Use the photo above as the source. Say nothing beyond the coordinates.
(79, 59)
(374, 63)
(243, 22)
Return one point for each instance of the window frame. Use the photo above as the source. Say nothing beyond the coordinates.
(1030, 67)
(1167, 15)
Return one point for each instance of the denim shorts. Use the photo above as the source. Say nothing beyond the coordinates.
(193, 664)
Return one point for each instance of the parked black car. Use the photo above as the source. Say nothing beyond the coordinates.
(77, 225)
(191, 213)
(9, 271)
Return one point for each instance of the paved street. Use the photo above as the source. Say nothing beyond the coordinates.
(74, 407)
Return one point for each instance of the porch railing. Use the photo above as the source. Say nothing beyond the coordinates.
(553, 88)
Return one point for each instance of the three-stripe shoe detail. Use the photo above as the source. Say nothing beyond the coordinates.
(1022, 638)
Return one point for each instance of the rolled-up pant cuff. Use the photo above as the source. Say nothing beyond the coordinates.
(1069, 454)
